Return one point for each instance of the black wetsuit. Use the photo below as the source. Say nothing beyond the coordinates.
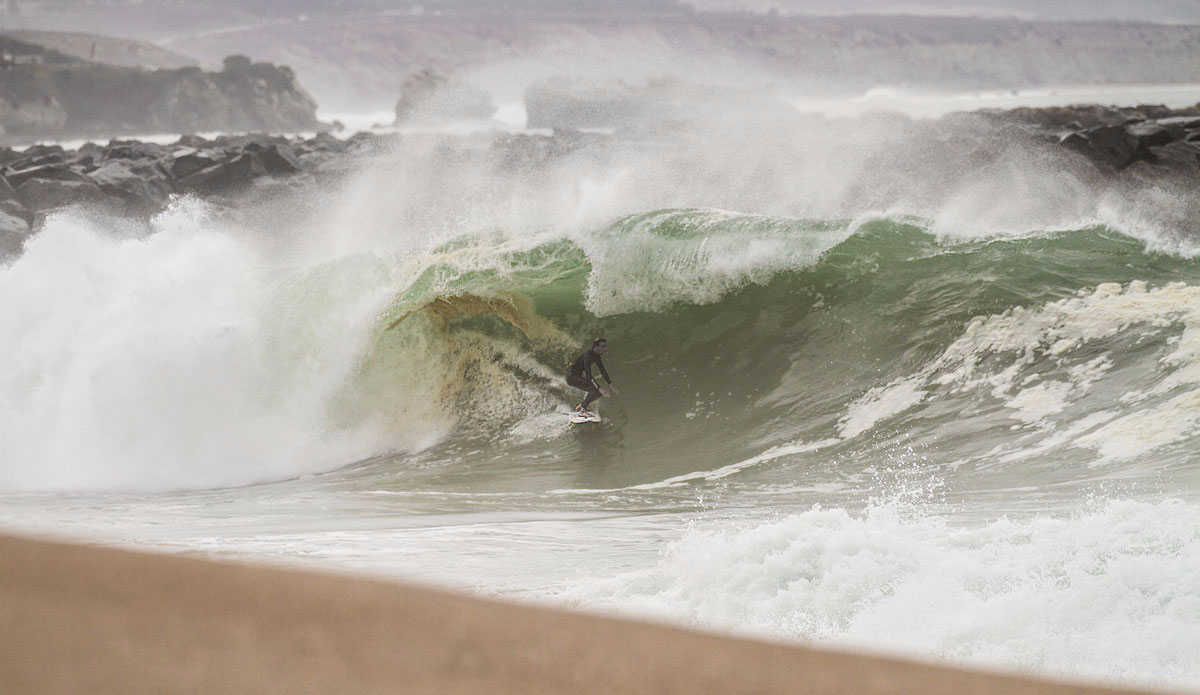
(580, 375)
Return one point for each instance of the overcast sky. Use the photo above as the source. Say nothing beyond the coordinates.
(1174, 11)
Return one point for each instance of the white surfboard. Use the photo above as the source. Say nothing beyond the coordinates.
(578, 417)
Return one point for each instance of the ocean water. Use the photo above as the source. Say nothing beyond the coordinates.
(885, 403)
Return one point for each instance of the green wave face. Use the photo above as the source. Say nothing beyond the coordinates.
(813, 346)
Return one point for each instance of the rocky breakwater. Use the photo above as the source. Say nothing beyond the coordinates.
(77, 99)
(134, 178)
(1147, 143)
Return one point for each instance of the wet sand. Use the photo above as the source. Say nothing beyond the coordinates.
(84, 619)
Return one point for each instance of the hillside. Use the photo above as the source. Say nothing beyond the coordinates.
(48, 100)
(352, 63)
(106, 49)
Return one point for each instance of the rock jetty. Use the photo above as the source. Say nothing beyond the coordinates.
(139, 178)
(1145, 140)
(1143, 146)
(133, 178)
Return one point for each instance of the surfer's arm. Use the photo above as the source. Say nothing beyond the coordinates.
(603, 371)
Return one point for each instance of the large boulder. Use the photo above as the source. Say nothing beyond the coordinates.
(224, 176)
(14, 226)
(7, 191)
(44, 195)
(185, 161)
(10, 203)
(323, 143)
(277, 158)
(1110, 145)
(1174, 159)
(1155, 134)
(427, 98)
(56, 171)
(87, 157)
(39, 155)
(13, 233)
(14, 208)
(134, 149)
(1185, 122)
(138, 183)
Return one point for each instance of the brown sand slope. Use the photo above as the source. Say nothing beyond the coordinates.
(78, 619)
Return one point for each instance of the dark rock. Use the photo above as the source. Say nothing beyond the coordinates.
(193, 141)
(280, 159)
(1112, 145)
(1085, 116)
(7, 192)
(1154, 134)
(186, 161)
(1154, 111)
(1177, 158)
(1185, 122)
(42, 160)
(254, 142)
(364, 143)
(42, 195)
(225, 175)
(14, 208)
(139, 184)
(9, 155)
(87, 157)
(132, 149)
(13, 233)
(323, 142)
(48, 172)
(38, 155)
(1075, 141)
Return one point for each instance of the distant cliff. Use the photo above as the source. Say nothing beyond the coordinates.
(358, 61)
(109, 50)
(61, 100)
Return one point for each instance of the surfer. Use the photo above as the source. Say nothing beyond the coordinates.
(580, 375)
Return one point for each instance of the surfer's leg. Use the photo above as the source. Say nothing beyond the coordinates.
(584, 385)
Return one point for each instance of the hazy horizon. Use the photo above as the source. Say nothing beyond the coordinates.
(160, 19)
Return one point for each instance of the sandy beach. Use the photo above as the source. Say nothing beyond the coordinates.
(80, 619)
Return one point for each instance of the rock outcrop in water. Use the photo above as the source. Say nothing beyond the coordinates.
(128, 177)
(427, 97)
(131, 177)
(77, 99)
(1145, 141)
(1143, 146)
